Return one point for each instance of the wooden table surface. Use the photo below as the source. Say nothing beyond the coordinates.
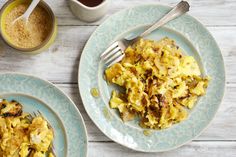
(59, 64)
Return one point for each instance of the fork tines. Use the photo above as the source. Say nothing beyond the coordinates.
(112, 54)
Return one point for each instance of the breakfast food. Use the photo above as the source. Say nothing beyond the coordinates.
(28, 34)
(12, 108)
(94, 92)
(160, 83)
(23, 135)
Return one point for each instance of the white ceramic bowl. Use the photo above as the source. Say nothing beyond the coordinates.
(88, 14)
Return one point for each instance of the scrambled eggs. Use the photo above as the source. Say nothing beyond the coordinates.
(160, 83)
(22, 135)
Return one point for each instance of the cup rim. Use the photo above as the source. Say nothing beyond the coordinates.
(45, 6)
(104, 2)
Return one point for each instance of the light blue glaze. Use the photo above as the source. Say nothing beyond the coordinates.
(39, 95)
(192, 37)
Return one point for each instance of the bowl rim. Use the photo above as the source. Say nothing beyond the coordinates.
(46, 7)
(97, 7)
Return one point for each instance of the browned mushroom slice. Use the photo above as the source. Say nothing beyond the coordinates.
(8, 109)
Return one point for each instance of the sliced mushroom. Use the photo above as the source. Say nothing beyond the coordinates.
(8, 109)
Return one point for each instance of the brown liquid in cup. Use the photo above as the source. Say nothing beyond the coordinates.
(91, 3)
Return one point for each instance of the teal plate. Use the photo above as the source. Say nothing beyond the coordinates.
(39, 95)
(192, 37)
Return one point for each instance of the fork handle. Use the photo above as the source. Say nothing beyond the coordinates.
(181, 8)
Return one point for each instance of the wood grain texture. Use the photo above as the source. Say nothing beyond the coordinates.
(194, 149)
(60, 62)
(221, 127)
(203, 10)
(210, 12)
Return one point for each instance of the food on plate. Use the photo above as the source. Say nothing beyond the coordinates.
(28, 34)
(147, 132)
(160, 83)
(12, 108)
(23, 135)
(95, 92)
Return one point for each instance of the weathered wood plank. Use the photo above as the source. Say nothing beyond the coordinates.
(62, 59)
(194, 149)
(221, 128)
(59, 64)
(210, 12)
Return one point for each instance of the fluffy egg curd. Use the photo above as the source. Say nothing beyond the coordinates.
(161, 84)
(23, 135)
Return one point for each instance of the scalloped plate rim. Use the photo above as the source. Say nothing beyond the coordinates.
(50, 83)
(83, 55)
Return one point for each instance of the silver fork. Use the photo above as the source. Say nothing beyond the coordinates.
(115, 52)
